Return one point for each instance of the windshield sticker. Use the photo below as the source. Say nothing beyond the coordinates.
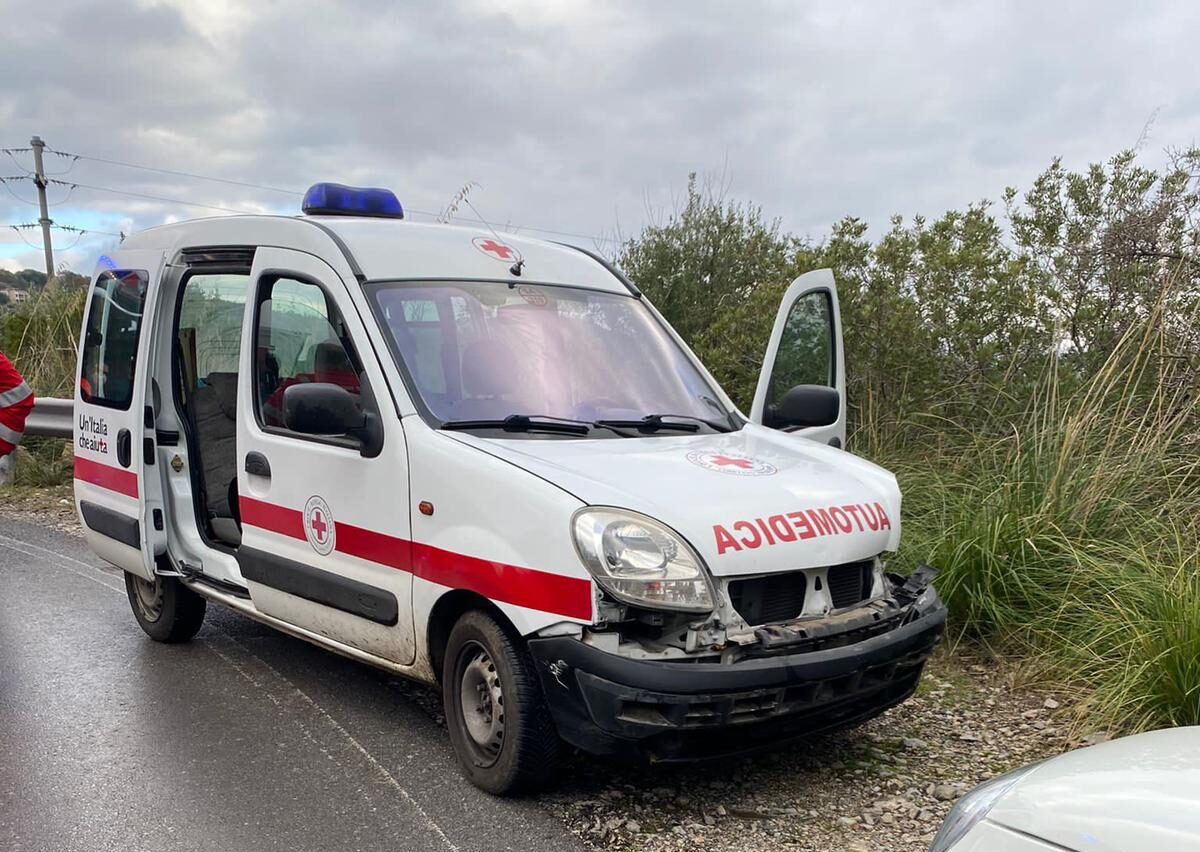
(801, 525)
(734, 463)
(532, 295)
(319, 527)
(496, 249)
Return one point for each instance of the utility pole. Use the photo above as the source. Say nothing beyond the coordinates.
(40, 179)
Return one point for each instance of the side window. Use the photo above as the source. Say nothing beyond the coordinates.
(299, 337)
(805, 354)
(210, 329)
(110, 339)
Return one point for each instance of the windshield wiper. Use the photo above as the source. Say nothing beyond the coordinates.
(655, 422)
(524, 423)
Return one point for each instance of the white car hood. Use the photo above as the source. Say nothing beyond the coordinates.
(751, 501)
(1129, 795)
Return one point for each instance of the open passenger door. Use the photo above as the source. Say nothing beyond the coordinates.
(802, 386)
(117, 492)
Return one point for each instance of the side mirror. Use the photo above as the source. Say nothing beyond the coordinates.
(321, 408)
(804, 405)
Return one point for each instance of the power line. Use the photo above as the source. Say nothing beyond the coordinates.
(293, 192)
(86, 231)
(25, 226)
(250, 185)
(178, 173)
(12, 155)
(13, 178)
(160, 198)
(5, 181)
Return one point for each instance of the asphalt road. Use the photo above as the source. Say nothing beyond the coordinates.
(244, 739)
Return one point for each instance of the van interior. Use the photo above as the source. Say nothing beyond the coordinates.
(208, 336)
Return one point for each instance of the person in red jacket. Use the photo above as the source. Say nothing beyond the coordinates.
(16, 401)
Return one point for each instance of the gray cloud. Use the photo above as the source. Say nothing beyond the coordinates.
(577, 117)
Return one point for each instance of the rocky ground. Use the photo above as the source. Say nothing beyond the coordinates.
(52, 506)
(884, 787)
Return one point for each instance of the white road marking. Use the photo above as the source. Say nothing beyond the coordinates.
(92, 574)
(430, 824)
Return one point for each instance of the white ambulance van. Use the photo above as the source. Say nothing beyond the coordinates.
(487, 462)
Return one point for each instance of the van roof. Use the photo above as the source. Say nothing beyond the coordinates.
(390, 249)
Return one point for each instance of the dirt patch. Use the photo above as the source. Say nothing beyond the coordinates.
(50, 506)
(884, 786)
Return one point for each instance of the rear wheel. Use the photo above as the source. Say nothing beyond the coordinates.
(499, 725)
(166, 609)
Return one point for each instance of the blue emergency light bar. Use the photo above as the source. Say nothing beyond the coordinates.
(335, 199)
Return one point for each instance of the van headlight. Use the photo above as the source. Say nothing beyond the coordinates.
(640, 561)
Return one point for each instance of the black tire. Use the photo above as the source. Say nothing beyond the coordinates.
(167, 610)
(523, 752)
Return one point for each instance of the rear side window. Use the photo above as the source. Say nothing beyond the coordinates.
(299, 337)
(110, 339)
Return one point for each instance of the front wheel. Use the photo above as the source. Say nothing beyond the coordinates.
(499, 724)
(166, 610)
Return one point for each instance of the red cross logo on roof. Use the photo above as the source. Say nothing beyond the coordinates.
(726, 461)
(497, 250)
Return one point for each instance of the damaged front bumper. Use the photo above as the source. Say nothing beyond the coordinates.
(609, 704)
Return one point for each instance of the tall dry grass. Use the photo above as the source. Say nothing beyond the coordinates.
(1075, 538)
(40, 337)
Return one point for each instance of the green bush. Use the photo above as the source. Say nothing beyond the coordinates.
(1076, 539)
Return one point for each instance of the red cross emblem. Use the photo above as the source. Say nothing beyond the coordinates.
(320, 528)
(495, 249)
(735, 465)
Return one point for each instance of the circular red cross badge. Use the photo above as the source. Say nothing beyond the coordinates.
(319, 528)
(496, 249)
(734, 463)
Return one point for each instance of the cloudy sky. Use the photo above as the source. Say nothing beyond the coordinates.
(573, 117)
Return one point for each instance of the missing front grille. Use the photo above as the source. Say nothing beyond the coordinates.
(851, 583)
(763, 600)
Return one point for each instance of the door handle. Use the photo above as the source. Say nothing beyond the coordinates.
(257, 464)
(124, 448)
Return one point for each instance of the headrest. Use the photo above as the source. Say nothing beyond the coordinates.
(330, 357)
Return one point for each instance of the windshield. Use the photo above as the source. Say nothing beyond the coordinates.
(482, 350)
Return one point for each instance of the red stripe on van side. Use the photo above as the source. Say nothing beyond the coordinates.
(107, 477)
(373, 546)
(569, 596)
(527, 587)
(268, 516)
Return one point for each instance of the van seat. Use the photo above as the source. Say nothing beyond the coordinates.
(215, 409)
